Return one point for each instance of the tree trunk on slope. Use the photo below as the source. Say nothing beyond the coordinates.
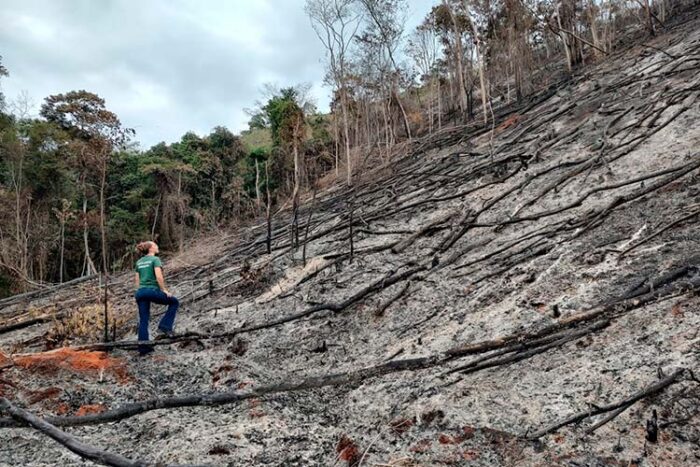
(459, 53)
(103, 233)
(91, 269)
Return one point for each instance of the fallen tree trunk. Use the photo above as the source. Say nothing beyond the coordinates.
(608, 310)
(527, 349)
(627, 402)
(658, 232)
(28, 323)
(423, 230)
(85, 451)
(382, 308)
(215, 399)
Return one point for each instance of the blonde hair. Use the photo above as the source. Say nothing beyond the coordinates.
(143, 247)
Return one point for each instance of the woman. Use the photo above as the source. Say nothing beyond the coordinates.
(151, 289)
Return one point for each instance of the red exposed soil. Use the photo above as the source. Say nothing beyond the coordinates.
(4, 360)
(90, 409)
(347, 450)
(84, 362)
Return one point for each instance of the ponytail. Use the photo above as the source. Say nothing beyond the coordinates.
(143, 247)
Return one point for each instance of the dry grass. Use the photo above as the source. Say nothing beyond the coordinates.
(85, 323)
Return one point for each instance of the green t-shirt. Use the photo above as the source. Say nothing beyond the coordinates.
(146, 267)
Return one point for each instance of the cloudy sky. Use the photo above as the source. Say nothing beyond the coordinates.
(164, 66)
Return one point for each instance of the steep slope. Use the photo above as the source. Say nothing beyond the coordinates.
(484, 287)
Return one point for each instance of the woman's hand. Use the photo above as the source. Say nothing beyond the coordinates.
(161, 281)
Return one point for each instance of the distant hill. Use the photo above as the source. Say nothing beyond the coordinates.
(257, 138)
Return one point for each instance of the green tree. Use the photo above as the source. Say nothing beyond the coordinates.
(226, 153)
(257, 121)
(287, 120)
(96, 133)
(3, 72)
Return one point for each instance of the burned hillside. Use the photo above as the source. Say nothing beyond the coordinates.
(522, 293)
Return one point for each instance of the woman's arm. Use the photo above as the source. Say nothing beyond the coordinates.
(161, 280)
(138, 281)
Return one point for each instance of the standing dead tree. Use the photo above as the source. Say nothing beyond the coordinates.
(478, 20)
(385, 27)
(64, 214)
(335, 23)
(423, 49)
(458, 54)
(268, 208)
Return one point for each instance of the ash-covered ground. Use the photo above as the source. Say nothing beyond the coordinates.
(573, 201)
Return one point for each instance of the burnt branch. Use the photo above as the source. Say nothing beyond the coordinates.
(97, 455)
(616, 406)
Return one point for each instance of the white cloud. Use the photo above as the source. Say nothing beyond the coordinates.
(164, 66)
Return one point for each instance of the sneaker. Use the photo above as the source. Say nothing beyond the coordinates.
(163, 334)
(145, 350)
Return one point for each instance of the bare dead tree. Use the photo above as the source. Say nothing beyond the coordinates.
(335, 23)
(386, 25)
(458, 54)
(268, 207)
(64, 214)
(477, 19)
(423, 49)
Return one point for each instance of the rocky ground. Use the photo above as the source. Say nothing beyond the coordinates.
(560, 244)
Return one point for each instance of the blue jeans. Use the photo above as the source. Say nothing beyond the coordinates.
(144, 298)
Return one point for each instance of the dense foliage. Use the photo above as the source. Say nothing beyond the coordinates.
(53, 168)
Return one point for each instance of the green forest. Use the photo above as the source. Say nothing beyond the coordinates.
(75, 174)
